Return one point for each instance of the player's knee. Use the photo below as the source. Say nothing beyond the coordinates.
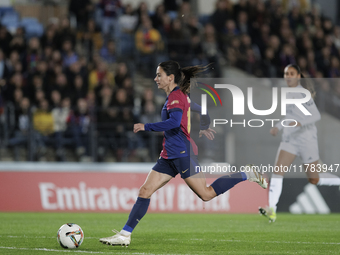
(313, 180)
(205, 197)
(144, 192)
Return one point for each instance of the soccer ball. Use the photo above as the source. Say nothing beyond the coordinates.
(70, 236)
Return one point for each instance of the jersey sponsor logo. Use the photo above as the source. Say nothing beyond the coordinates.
(174, 102)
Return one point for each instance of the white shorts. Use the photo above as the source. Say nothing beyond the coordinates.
(306, 149)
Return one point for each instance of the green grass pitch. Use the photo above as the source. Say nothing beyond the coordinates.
(35, 233)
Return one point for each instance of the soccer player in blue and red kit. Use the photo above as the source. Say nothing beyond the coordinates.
(177, 156)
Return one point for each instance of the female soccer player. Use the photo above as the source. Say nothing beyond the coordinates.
(176, 158)
(300, 140)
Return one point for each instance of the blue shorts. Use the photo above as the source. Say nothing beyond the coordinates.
(185, 166)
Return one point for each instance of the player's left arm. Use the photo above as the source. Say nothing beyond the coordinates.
(204, 119)
(204, 122)
(209, 133)
(309, 119)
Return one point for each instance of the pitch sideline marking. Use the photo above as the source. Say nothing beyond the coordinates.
(53, 250)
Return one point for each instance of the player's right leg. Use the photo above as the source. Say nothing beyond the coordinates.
(284, 158)
(154, 181)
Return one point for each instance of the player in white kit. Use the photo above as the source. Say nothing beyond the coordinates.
(298, 140)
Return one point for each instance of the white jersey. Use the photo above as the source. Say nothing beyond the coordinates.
(294, 113)
(302, 140)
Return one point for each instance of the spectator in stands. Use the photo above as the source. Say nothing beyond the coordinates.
(82, 9)
(334, 71)
(287, 57)
(107, 137)
(108, 52)
(210, 48)
(324, 61)
(121, 99)
(148, 96)
(8, 88)
(97, 75)
(74, 70)
(60, 115)
(36, 85)
(121, 74)
(221, 15)
(79, 122)
(157, 17)
(39, 96)
(61, 84)
(267, 64)
(311, 65)
(275, 44)
(234, 54)
(104, 98)
(242, 23)
(18, 96)
(241, 6)
(262, 39)
(49, 37)
(4, 70)
(127, 139)
(112, 10)
(196, 51)
(127, 24)
(184, 12)
(142, 13)
(19, 135)
(91, 38)
(5, 39)
(302, 63)
(33, 55)
(179, 42)
(165, 29)
(228, 33)
(79, 90)
(128, 87)
(55, 99)
(65, 32)
(43, 123)
(14, 57)
(148, 43)
(69, 56)
(18, 44)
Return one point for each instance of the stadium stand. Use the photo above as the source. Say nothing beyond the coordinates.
(92, 74)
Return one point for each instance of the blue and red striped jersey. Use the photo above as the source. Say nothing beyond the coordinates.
(176, 126)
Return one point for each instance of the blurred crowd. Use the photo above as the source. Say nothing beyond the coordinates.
(76, 85)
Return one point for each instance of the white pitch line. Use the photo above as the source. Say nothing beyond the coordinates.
(80, 251)
(45, 249)
(279, 242)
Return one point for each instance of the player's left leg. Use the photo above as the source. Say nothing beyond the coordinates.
(198, 183)
(320, 179)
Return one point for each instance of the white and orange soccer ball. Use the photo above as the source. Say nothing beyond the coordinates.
(70, 236)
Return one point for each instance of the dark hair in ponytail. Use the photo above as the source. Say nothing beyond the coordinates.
(304, 82)
(182, 75)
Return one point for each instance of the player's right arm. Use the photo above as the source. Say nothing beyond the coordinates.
(174, 121)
